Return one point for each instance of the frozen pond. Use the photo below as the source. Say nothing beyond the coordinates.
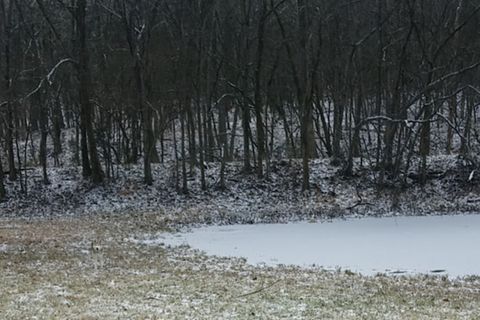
(434, 244)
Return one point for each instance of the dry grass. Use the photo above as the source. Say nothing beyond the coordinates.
(50, 270)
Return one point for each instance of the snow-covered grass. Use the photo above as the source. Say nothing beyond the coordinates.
(87, 268)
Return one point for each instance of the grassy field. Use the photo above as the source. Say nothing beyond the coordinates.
(90, 268)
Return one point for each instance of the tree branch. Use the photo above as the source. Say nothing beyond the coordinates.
(49, 76)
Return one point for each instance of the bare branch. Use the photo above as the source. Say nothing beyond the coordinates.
(49, 76)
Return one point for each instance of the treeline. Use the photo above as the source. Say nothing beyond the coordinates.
(342, 79)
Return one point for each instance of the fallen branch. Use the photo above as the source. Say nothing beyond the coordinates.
(259, 290)
(360, 201)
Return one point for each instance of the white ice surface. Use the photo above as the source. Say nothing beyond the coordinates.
(369, 246)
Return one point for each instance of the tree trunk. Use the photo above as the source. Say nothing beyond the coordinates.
(57, 118)
(201, 148)
(9, 123)
(304, 96)
(43, 139)
(148, 136)
(184, 155)
(223, 141)
(233, 134)
(338, 109)
(257, 94)
(425, 140)
(3, 193)
(452, 110)
(84, 95)
(86, 168)
(465, 146)
(192, 146)
(12, 175)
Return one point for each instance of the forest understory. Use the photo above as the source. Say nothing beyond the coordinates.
(452, 188)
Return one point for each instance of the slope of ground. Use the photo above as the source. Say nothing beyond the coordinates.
(451, 188)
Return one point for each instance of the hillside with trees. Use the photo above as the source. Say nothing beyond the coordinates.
(384, 84)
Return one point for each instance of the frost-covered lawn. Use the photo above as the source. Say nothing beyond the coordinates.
(51, 270)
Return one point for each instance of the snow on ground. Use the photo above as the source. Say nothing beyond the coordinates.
(277, 198)
(60, 274)
(247, 200)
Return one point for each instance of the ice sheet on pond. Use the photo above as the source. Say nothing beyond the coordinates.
(430, 244)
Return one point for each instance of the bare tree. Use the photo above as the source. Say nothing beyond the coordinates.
(92, 165)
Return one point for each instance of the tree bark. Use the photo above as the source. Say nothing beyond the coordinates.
(9, 123)
(3, 193)
(304, 95)
(86, 107)
(258, 94)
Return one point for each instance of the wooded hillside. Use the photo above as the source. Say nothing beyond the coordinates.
(198, 81)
